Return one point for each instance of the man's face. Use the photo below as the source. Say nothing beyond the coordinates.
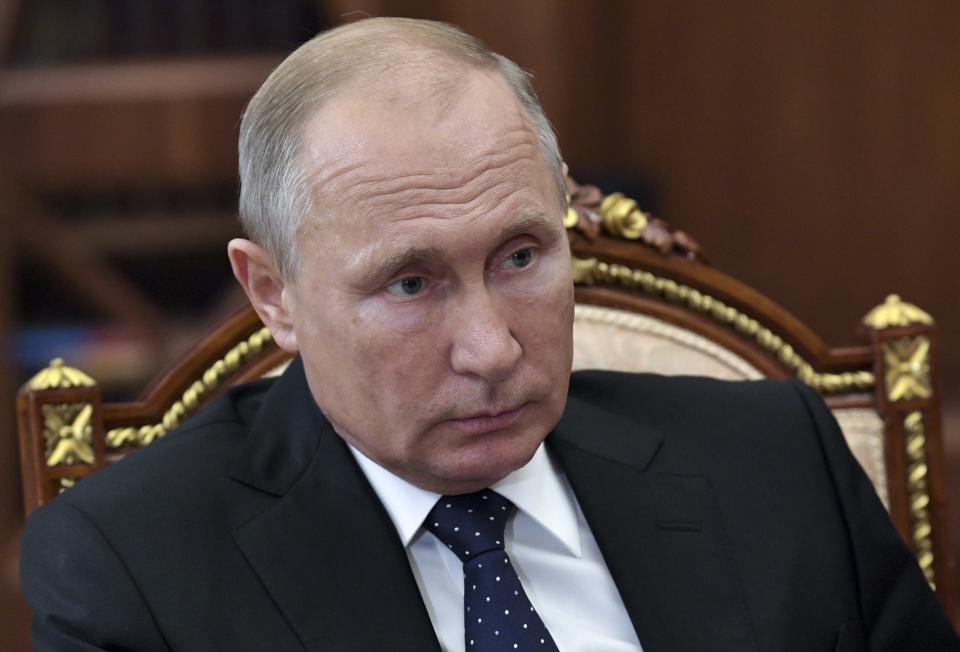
(433, 302)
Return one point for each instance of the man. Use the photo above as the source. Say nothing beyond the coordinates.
(403, 194)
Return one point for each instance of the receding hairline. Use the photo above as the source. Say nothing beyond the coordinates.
(374, 47)
(405, 34)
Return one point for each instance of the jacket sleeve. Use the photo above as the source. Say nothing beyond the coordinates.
(81, 594)
(898, 610)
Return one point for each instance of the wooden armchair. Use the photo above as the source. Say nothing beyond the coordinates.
(648, 301)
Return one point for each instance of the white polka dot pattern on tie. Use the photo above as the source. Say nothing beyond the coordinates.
(472, 526)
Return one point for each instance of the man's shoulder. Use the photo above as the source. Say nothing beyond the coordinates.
(656, 396)
(707, 418)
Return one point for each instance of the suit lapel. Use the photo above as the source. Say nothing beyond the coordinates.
(325, 549)
(655, 519)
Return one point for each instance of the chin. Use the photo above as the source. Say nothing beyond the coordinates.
(481, 465)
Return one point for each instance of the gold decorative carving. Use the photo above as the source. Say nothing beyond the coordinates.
(590, 271)
(907, 360)
(588, 211)
(583, 270)
(67, 433)
(59, 376)
(918, 496)
(66, 483)
(621, 217)
(896, 312)
(194, 394)
(570, 218)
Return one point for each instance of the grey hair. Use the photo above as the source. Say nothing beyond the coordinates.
(276, 194)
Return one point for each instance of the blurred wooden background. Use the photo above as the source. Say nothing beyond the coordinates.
(813, 148)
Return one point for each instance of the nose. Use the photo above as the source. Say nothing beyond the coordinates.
(483, 345)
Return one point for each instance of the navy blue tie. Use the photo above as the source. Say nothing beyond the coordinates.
(497, 613)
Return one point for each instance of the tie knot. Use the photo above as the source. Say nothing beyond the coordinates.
(470, 524)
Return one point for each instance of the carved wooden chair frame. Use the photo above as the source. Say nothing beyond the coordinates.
(625, 259)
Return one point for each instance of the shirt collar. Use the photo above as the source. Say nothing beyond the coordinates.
(406, 504)
(537, 489)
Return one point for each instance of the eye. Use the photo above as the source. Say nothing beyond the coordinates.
(520, 258)
(407, 287)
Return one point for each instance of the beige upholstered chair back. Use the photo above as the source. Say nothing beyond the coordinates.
(621, 340)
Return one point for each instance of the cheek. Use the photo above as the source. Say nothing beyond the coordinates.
(545, 324)
(560, 329)
(550, 291)
(399, 363)
(395, 320)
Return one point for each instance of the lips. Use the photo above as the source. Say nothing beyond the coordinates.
(482, 423)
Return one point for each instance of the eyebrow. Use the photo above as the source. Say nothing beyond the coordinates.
(529, 221)
(406, 258)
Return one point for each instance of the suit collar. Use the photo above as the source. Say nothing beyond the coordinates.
(606, 435)
(284, 435)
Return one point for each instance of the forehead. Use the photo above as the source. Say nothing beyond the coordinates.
(407, 145)
(391, 112)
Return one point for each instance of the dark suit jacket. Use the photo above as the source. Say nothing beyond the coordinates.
(731, 515)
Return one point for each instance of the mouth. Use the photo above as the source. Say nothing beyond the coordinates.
(481, 423)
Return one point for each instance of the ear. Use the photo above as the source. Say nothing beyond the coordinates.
(266, 289)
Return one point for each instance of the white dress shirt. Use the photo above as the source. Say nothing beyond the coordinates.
(550, 546)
